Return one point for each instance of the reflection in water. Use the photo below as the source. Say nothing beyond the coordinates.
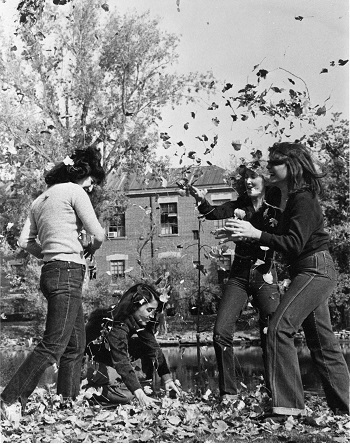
(183, 364)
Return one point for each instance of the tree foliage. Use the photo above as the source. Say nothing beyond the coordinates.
(83, 75)
(331, 146)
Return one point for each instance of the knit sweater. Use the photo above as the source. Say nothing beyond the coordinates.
(300, 231)
(56, 219)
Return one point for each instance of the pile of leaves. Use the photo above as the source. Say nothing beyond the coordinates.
(191, 418)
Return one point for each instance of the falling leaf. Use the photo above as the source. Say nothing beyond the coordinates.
(276, 89)
(262, 73)
(321, 111)
(186, 125)
(234, 117)
(227, 87)
(268, 278)
(236, 145)
(209, 163)
(191, 154)
(244, 117)
(299, 17)
(292, 81)
(193, 115)
(105, 7)
(180, 143)
(324, 70)
(342, 62)
(164, 136)
(215, 121)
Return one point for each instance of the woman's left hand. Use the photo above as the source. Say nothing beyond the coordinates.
(89, 251)
(243, 228)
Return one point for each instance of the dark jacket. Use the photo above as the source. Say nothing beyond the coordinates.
(118, 347)
(264, 219)
(300, 232)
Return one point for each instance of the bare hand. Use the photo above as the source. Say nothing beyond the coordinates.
(198, 194)
(242, 228)
(170, 385)
(144, 400)
(226, 236)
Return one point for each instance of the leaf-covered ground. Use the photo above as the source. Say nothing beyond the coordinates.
(188, 419)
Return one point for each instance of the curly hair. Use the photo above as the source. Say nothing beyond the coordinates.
(82, 163)
(302, 174)
(238, 177)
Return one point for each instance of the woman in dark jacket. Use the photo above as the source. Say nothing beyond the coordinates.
(117, 336)
(253, 271)
(301, 238)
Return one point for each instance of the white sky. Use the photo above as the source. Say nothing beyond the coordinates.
(230, 37)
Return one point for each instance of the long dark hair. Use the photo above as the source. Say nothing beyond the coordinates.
(82, 163)
(302, 173)
(132, 299)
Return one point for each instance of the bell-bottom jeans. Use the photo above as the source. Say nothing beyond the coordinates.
(246, 279)
(305, 304)
(63, 342)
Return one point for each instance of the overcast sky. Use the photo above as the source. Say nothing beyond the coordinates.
(230, 37)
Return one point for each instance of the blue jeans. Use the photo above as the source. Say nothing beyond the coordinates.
(246, 279)
(305, 304)
(63, 342)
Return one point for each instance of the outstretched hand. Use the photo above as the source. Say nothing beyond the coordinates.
(242, 228)
(144, 400)
(198, 194)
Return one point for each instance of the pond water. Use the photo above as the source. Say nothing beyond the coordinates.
(183, 364)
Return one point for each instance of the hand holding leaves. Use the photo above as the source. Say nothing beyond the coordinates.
(89, 251)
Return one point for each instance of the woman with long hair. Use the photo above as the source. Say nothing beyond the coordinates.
(301, 238)
(253, 270)
(52, 233)
(119, 335)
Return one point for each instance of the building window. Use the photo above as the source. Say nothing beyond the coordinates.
(117, 269)
(195, 234)
(168, 218)
(116, 226)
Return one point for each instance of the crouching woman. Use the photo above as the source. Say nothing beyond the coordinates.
(116, 337)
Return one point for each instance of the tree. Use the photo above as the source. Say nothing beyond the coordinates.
(332, 148)
(82, 77)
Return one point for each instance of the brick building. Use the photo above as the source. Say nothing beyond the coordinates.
(159, 223)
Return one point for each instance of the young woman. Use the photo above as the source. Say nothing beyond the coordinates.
(51, 233)
(252, 273)
(302, 239)
(115, 338)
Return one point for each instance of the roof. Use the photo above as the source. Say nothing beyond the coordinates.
(209, 176)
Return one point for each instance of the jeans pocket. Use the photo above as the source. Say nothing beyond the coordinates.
(49, 280)
(329, 266)
(75, 280)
